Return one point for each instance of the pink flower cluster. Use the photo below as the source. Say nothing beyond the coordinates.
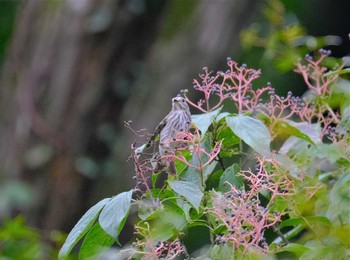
(313, 74)
(241, 212)
(144, 163)
(192, 142)
(234, 84)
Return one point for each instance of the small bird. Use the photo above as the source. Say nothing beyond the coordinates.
(178, 119)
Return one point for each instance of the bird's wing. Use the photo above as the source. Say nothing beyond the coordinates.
(159, 128)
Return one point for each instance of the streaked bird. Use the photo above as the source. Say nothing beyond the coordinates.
(178, 119)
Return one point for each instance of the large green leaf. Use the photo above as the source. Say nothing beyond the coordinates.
(82, 227)
(252, 131)
(310, 130)
(114, 214)
(95, 242)
(203, 121)
(189, 190)
(285, 128)
(230, 176)
(296, 144)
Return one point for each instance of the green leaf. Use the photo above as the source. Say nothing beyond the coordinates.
(330, 152)
(203, 121)
(345, 119)
(337, 72)
(189, 190)
(154, 178)
(147, 209)
(297, 249)
(114, 214)
(96, 241)
(226, 135)
(296, 144)
(340, 96)
(263, 117)
(214, 180)
(339, 197)
(305, 221)
(326, 249)
(207, 170)
(293, 169)
(191, 174)
(225, 251)
(181, 166)
(252, 131)
(162, 194)
(311, 130)
(186, 207)
(280, 204)
(81, 228)
(230, 176)
(284, 128)
(221, 116)
(169, 222)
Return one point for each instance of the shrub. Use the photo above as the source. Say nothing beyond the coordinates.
(270, 179)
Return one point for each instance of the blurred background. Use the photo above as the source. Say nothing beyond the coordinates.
(72, 71)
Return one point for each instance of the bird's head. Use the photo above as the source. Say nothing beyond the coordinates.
(179, 103)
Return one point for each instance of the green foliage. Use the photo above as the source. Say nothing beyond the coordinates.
(114, 213)
(19, 241)
(252, 131)
(230, 177)
(95, 242)
(189, 190)
(267, 181)
(111, 214)
(294, 203)
(281, 37)
(82, 227)
(277, 40)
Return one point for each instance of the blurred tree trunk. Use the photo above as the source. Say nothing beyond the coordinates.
(77, 69)
(54, 83)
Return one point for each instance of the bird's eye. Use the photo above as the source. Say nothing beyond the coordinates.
(183, 100)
